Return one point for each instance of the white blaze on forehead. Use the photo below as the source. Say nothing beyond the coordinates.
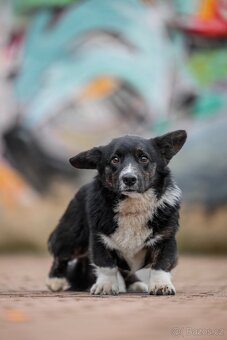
(129, 169)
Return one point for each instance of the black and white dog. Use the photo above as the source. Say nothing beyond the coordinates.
(124, 220)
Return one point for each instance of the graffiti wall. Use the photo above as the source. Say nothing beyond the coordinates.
(76, 73)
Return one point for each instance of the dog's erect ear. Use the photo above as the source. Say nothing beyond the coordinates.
(87, 159)
(170, 143)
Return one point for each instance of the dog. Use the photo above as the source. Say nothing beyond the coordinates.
(124, 220)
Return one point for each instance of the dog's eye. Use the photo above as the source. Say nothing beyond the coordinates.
(144, 159)
(115, 160)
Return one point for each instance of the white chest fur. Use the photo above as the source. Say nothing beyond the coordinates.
(132, 215)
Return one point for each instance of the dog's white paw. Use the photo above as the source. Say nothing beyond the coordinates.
(138, 287)
(56, 284)
(160, 283)
(107, 282)
(105, 288)
(164, 289)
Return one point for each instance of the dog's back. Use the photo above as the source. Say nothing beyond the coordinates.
(71, 236)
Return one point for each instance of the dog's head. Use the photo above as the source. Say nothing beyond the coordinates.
(131, 164)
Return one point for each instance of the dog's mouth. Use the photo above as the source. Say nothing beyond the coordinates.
(130, 192)
(129, 189)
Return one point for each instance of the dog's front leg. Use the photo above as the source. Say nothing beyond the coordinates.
(106, 269)
(106, 283)
(164, 261)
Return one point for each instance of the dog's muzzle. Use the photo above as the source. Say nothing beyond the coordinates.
(129, 182)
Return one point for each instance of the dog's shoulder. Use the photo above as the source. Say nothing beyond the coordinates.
(100, 204)
(164, 222)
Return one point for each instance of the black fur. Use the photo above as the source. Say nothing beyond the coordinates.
(92, 210)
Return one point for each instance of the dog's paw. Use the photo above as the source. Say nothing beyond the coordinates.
(107, 282)
(138, 287)
(56, 284)
(105, 288)
(160, 283)
(167, 289)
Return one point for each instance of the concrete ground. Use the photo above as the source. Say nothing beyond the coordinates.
(29, 312)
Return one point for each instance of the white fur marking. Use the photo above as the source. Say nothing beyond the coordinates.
(171, 197)
(132, 215)
(130, 170)
(106, 283)
(127, 170)
(160, 282)
(138, 287)
(55, 284)
(151, 242)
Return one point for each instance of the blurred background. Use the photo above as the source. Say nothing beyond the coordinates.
(74, 74)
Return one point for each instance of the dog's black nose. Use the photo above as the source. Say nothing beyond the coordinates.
(129, 180)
